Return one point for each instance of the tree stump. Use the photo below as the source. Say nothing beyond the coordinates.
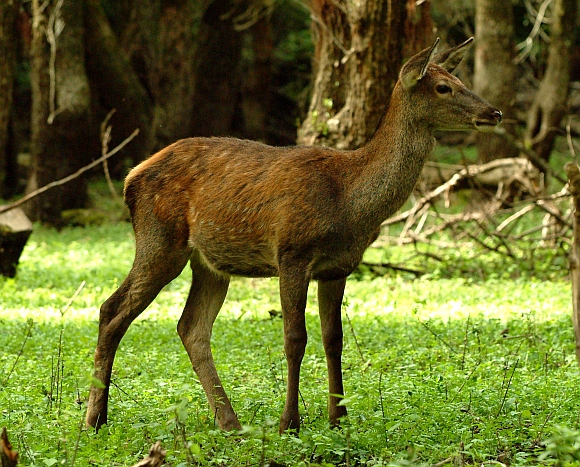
(8, 457)
(15, 228)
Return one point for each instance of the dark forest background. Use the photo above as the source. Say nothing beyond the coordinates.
(278, 71)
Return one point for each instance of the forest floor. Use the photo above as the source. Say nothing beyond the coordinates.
(472, 363)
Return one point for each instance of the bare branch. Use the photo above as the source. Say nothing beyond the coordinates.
(64, 180)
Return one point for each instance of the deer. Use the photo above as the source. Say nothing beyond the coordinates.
(234, 207)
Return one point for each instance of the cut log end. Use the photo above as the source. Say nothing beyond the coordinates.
(15, 229)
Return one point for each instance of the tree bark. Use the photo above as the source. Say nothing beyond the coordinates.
(419, 27)
(217, 69)
(357, 60)
(495, 74)
(117, 86)
(256, 81)
(158, 39)
(8, 47)
(573, 173)
(60, 107)
(549, 106)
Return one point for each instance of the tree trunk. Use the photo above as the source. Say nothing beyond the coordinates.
(549, 106)
(60, 107)
(495, 73)
(217, 69)
(117, 86)
(573, 173)
(8, 46)
(357, 61)
(419, 27)
(158, 39)
(256, 80)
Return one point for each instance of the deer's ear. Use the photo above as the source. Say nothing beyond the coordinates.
(416, 66)
(449, 59)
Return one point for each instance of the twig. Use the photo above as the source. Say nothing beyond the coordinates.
(527, 44)
(72, 299)
(439, 338)
(27, 335)
(449, 460)
(468, 377)
(507, 388)
(64, 180)
(465, 344)
(569, 139)
(355, 339)
(513, 217)
(374, 266)
(105, 140)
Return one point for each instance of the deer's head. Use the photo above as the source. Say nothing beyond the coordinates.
(441, 99)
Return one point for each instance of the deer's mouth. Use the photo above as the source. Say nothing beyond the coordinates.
(489, 122)
(485, 126)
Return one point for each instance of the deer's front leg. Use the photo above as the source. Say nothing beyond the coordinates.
(293, 291)
(330, 295)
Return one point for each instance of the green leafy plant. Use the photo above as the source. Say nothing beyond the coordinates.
(450, 366)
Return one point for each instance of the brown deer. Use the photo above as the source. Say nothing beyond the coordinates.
(241, 208)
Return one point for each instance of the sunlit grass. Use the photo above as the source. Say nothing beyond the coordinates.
(437, 367)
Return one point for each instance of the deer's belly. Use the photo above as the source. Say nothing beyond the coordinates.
(239, 259)
(329, 257)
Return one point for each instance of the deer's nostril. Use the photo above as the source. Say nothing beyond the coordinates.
(497, 115)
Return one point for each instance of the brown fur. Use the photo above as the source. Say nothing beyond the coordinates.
(234, 207)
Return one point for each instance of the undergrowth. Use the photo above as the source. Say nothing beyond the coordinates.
(469, 364)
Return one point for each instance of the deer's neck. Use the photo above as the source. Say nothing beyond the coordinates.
(390, 165)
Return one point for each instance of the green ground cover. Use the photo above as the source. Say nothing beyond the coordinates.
(469, 365)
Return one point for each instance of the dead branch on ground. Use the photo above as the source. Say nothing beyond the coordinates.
(517, 220)
(423, 220)
(155, 457)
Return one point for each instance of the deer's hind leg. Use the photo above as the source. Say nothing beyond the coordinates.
(158, 260)
(206, 296)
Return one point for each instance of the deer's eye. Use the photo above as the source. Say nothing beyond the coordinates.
(443, 89)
